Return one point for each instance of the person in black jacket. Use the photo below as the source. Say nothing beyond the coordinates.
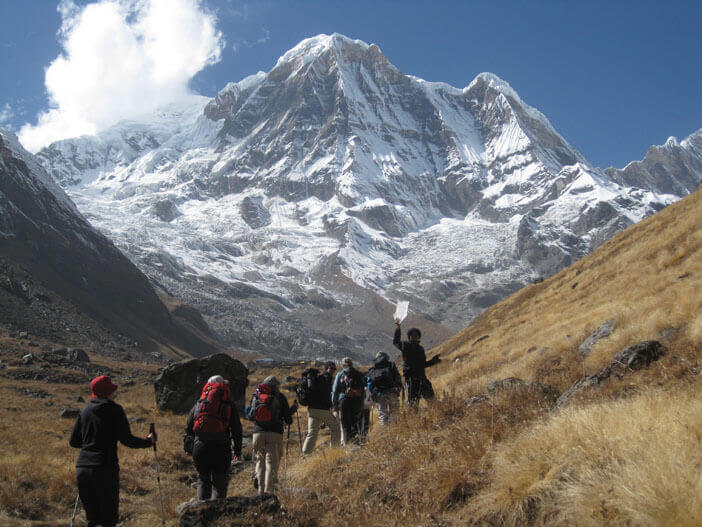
(267, 441)
(347, 397)
(414, 363)
(211, 450)
(384, 382)
(96, 431)
(319, 410)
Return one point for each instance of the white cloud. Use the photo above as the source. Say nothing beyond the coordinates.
(122, 58)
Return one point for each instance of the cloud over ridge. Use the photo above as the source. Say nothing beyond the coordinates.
(122, 58)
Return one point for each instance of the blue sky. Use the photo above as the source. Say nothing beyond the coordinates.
(612, 77)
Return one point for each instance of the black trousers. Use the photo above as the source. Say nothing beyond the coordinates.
(212, 462)
(350, 409)
(418, 387)
(98, 488)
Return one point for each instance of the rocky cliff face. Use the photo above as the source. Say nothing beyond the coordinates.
(295, 204)
(46, 243)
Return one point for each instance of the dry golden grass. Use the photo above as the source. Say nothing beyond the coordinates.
(627, 462)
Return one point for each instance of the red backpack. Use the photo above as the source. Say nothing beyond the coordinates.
(265, 406)
(213, 410)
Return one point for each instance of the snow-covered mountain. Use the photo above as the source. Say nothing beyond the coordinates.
(44, 239)
(291, 207)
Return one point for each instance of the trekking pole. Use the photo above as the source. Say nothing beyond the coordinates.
(158, 476)
(287, 447)
(75, 509)
(299, 432)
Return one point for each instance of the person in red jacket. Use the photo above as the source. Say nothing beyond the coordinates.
(96, 431)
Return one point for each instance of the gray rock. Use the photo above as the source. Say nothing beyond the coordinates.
(28, 359)
(605, 330)
(179, 385)
(69, 413)
(629, 359)
(639, 355)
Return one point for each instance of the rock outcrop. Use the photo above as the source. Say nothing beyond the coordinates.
(629, 359)
(179, 385)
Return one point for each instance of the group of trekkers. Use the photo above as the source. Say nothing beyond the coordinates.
(339, 401)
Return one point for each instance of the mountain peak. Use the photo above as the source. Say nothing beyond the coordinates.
(492, 81)
(312, 47)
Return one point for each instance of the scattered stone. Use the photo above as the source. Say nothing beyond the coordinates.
(69, 413)
(137, 420)
(128, 382)
(668, 333)
(179, 385)
(605, 330)
(290, 378)
(234, 511)
(32, 344)
(639, 355)
(36, 393)
(80, 399)
(475, 400)
(28, 359)
(629, 359)
(23, 335)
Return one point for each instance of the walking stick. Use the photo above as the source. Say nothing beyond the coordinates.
(287, 446)
(158, 476)
(75, 509)
(299, 432)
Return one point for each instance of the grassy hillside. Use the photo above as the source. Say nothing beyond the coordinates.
(626, 452)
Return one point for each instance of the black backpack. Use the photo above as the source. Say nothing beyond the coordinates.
(380, 380)
(308, 387)
(353, 381)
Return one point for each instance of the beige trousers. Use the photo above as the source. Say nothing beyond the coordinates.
(268, 451)
(316, 417)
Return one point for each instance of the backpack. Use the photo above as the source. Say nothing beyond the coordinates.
(380, 380)
(213, 411)
(308, 388)
(353, 381)
(265, 406)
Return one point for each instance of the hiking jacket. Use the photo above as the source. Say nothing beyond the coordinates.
(395, 377)
(339, 388)
(233, 432)
(414, 359)
(97, 429)
(322, 398)
(277, 427)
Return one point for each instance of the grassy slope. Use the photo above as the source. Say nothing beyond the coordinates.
(627, 455)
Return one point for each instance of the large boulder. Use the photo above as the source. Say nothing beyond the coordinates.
(235, 511)
(179, 385)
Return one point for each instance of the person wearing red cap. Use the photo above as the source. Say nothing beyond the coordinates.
(97, 429)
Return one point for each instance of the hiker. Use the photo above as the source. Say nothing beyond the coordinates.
(319, 405)
(384, 382)
(212, 428)
(347, 399)
(96, 431)
(269, 409)
(414, 362)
